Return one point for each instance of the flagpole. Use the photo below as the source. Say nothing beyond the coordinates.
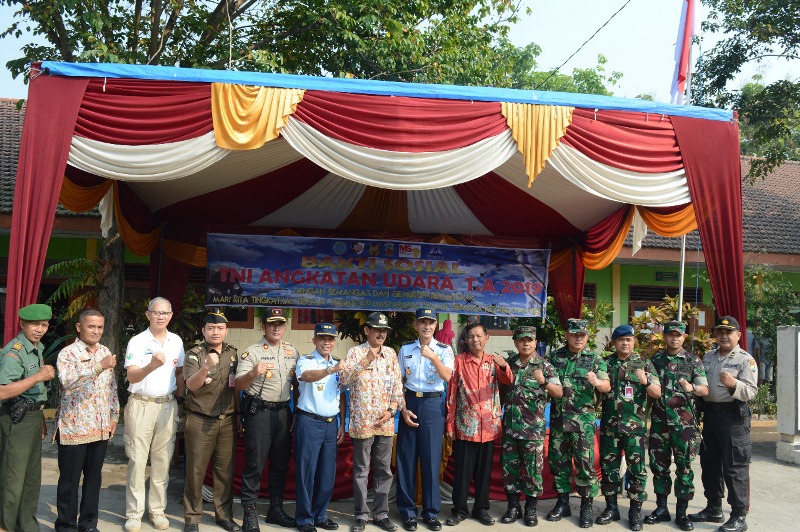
(687, 100)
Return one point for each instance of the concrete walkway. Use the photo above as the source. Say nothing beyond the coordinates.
(774, 494)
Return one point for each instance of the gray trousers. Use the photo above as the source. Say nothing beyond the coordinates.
(378, 451)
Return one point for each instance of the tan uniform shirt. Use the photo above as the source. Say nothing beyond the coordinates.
(281, 360)
(216, 396)
(738, 363)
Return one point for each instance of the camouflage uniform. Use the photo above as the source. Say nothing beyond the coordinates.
(673, 430)
(572, 422)
(522, 455)
(624, 425)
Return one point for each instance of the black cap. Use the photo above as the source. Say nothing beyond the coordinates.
(727, 322)
(377, 320)
(215, 317)
(275, 314)
(426, 314)
(325, 329)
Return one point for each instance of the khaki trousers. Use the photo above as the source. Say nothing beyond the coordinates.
(149, 432)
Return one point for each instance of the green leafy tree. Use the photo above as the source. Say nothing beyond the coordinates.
(551, 332)
(350, 324)
(754, 31)
(771, 301)
(649, 328)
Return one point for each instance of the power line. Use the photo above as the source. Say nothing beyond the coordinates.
(555, 71)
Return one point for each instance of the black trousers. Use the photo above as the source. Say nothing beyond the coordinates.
(73, 461)
(725, 458)
(266, 436)
(473, 461)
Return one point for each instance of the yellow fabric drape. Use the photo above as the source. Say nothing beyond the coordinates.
(81, 199)
(538, 130)
(601, 259)
(246, 117)
(558, 258)
(187, 253)
(675, 224)
(139, 243)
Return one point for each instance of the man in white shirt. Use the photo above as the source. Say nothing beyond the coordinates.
(154, 364)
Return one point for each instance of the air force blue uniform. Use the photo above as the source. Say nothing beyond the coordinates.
(315, 440)
(425, 397)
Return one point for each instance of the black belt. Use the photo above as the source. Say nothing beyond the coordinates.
(719, 407)
(29, 407)
(424, 394)
(215, 418)
(330, 419)
(269, 405)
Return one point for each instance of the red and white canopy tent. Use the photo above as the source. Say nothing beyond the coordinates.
(171, 153)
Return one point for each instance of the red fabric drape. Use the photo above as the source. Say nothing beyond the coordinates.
(710, 152)
(599, 237)
(53, 104)
(504, 209)
(138, 112)
(399, 123)
(169, 278)
(566, 285)
(633, 141)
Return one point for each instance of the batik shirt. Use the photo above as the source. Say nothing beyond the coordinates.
(575, 411)
(89, 401)
(625, 406)
(525, 399)
(473, 398)
(374, 388)
(676, 407)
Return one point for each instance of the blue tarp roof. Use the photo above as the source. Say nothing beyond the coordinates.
(385, 88)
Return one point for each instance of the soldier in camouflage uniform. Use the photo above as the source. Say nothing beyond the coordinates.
(522, 455)
(572, 421)
(624, 425)
(673, 430)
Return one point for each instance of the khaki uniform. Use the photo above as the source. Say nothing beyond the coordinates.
(21, 443)
(210, 432)
(281, 361)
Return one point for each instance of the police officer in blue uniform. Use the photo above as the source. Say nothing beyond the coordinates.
(316, 432)
(426, 366)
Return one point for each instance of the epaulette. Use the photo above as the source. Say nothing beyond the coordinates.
(410, 343)
(308, 356)
(229, 346)
(441, 344)
(17, 346)
(195, 350)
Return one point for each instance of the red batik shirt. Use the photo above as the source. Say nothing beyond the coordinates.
(473, 398)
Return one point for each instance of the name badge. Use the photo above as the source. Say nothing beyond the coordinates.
(629, 392)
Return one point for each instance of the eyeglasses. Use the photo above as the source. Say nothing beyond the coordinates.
(159, 314)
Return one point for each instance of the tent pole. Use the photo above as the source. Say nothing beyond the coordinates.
(680, 277)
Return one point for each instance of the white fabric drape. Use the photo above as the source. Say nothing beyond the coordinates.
(399, 170)
(649, 190)
(639, 231)
(106, 208)
(153, 162)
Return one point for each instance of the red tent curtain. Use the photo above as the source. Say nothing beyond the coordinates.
(566, 285)
(53, 104)
(710, 152)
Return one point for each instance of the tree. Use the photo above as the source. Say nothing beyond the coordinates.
(755, 30)
(771, 301)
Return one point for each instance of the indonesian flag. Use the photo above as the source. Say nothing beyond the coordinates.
(687, 29)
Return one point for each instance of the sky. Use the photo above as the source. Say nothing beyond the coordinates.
(639, 42)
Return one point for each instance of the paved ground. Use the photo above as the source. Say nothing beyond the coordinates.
(774, 490)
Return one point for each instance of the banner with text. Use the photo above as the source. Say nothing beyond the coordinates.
(340, 273)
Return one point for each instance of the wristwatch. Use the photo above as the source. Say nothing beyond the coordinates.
(179, 400)
(648, 383)
(390, 411)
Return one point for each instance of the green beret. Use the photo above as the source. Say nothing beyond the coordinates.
(36, 312)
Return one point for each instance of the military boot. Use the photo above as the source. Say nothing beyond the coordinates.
(712, 513)
(635, 515)
(514, 511)
(680, 515)
(250, 519)
(611, 513)
(561, 509)
(530, 512)
(660, 514)
(736, 523)
(586, 518)
(276, 515)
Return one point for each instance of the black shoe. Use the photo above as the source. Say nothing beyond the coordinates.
(483, 516)
(530, 512)
(635, 516)
(432, 523)
(680, 515)
(710, 514)
(410, 524)
(660, 514)
(250, 523)
(455, 519)
(359, 525)
(586, 519)
(611, 512)
(385, 524)
(191, 528)
(561, 509)
(735, 524)
(327, 524)
(276, 516)
(512, 514)
(308, 527)
(228, 524)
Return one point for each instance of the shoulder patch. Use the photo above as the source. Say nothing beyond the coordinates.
(193, 357)
(753, 367)
(245, 355)
(17, 346)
